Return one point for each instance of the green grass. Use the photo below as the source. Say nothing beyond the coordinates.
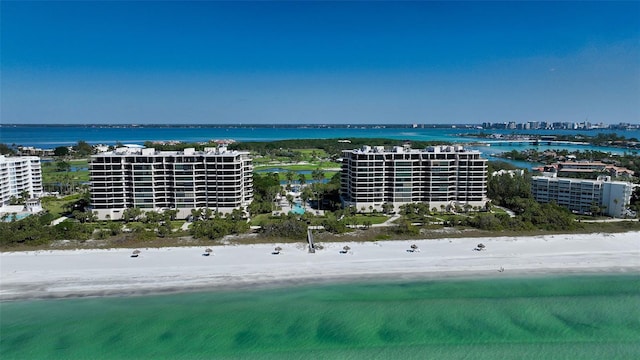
(50, 175)
(56, 206)
(327, 175)
(307, 152)
(375, 219)
(497, 210)
(259, 219)
(300, 167)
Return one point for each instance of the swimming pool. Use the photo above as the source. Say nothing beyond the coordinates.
(19, 216)
(297, 209)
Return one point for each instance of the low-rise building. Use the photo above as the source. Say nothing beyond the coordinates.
(584, 196)
(439, 175)
(127, 177)
(586, 168)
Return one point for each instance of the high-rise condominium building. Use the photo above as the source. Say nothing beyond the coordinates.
(215, 178)
(439, 175)
(584, 196)
(18, 174)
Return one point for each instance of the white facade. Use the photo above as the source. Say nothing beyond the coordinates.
(580, 195)
(440, 175)
(18, 174)
(129, 177)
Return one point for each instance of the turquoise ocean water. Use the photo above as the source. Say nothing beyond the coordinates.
(52, 136)
(572, 317)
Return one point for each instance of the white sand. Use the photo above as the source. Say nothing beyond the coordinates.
(67, 273)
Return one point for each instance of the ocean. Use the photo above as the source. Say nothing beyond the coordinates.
(553, 317)
(571, 317)
(53, 136)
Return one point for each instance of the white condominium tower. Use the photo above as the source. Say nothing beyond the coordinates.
(584, 196)
(18, 174)
(215, 178)
(439, 176)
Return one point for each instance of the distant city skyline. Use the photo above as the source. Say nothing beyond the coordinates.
(319, 62)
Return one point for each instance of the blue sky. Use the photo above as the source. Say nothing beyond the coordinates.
(319, 62)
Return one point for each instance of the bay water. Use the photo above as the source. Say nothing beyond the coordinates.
(553, 317)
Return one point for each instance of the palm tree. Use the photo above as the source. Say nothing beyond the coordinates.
(302, 178)
(386, 207)
(290, 175)
(24, 196)
(305, 195)
(318, 176)
(196, 214)
(271, 193)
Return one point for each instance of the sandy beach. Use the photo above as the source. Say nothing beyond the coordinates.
(74, 273)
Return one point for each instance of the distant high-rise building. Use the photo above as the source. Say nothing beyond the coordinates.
(439, 175)
(19, 174)
(215, 178)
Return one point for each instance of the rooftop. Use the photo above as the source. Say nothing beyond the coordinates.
(142, 151)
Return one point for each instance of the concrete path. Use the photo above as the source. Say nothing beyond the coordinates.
(59, 220)
(508, 211)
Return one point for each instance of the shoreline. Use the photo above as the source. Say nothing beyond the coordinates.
(59, 274)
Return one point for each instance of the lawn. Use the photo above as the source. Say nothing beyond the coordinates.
(374, 219)
(309, 153)
(78, 172)
(300, 167)
(56, 206)
(497, 210)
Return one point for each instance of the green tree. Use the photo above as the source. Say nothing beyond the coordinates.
(634, 204)
(331, 224)
(63, 166)
(131, 214)
(82, 148)
(318, 176)
(6, 150)
(288, 227)
(386, 208)
(290, 175)
(306, 194)
(151, 217)
(61, 151)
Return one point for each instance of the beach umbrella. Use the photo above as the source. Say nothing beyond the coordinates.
(481, 246)
(346, 248)
(136, 252)
(208, 250)
(278, 248)
(414, 246)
